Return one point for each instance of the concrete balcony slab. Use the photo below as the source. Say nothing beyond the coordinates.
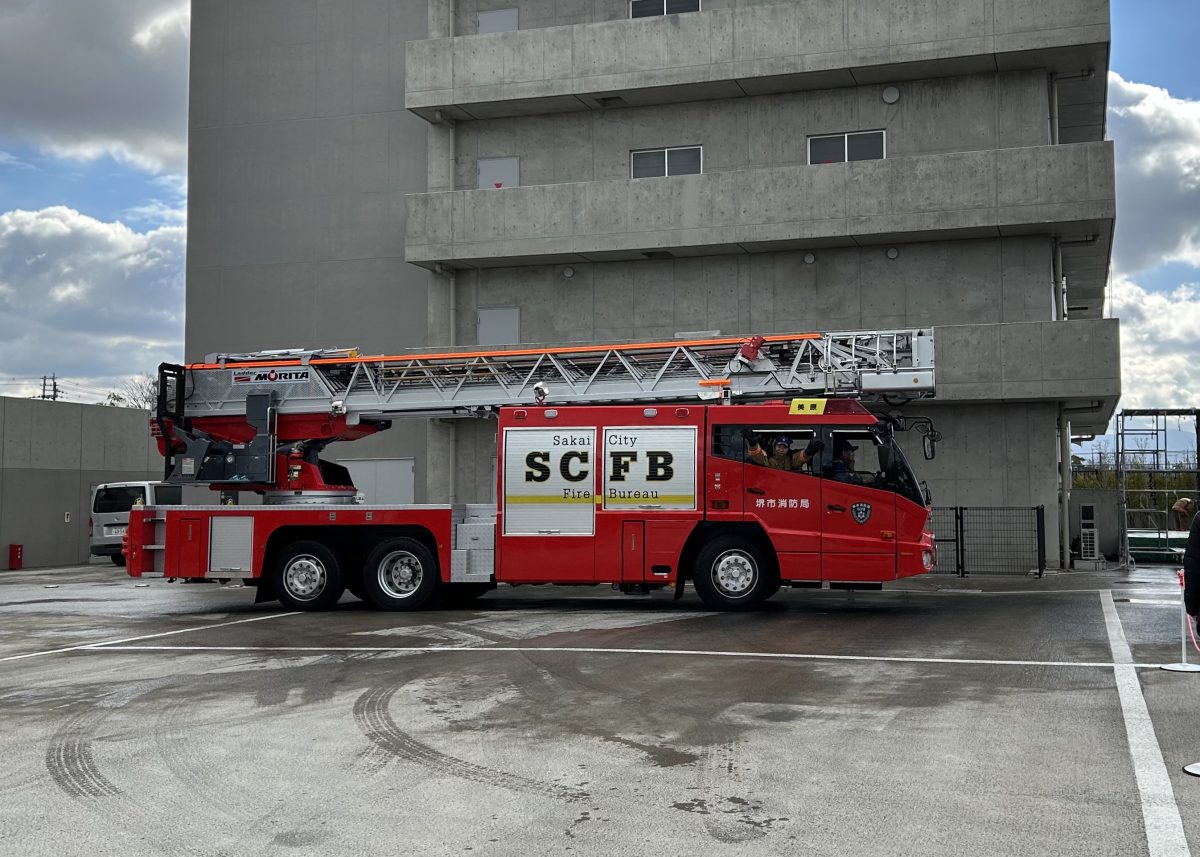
(758, 49)
(1064, 191)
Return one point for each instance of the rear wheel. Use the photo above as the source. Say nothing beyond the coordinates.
(118, 560)
(308, 576)
(401, 574)
(730, 574)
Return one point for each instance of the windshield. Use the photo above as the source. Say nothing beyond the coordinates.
(871, 457)
(900, 478)
(117, 498)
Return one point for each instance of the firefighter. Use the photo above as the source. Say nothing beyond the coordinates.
(843, 461)
(782, 457)
(1181, 513)
(1191, 573)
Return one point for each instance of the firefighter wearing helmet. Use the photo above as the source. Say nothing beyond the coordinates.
(782, 456)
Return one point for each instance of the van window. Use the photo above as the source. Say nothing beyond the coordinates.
(168, 495)
(118, 498)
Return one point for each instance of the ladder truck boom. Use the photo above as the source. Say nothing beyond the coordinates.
(240, 406)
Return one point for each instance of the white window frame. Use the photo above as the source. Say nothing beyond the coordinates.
(845, 135)
(666, 160)
(663, 14)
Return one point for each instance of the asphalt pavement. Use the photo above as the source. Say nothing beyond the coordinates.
(942, 716)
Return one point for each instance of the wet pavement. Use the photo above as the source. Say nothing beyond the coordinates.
(943, 716)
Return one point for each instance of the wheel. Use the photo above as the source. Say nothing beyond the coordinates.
(401, 574)
(118, 560)
(462, 594)
(308, 576)
(729, 575)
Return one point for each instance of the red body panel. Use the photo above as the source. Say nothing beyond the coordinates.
(599, 534)
(186, 546)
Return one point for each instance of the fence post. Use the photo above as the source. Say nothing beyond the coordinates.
(1041, 540)
(960, 560)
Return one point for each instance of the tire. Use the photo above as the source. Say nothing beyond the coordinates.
(463, 594)
(730, 574)
(401, 574)
(308, 576)
(118, 559)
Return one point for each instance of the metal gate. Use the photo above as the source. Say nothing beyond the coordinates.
(990, 540)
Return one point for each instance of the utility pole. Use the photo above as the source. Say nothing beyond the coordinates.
(50, 387)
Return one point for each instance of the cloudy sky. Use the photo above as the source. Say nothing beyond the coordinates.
(93, 122)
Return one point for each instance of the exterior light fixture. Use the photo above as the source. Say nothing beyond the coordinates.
(568, 272)
(890, 95)
(893, 253)
(809, 258)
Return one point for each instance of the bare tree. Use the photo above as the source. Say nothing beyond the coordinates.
(138, 391)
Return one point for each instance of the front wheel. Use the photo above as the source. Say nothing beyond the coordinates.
(308, 576)
(118, 559)
(730, 575)
(401, 574)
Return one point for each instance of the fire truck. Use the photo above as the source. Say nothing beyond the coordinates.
(634, 465)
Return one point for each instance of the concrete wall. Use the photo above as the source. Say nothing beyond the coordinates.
(955, 114)
(846, 288)
(51, 454)
(300, 155)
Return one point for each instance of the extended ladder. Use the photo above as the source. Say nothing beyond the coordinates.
(467, 381)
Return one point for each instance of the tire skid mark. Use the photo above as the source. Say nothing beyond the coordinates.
(371, 715)
(70, 761)
(69, 758)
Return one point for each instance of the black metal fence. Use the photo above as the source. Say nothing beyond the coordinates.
(990, 540)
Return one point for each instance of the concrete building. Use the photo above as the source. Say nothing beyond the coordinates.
(51, 455)
(399, 174)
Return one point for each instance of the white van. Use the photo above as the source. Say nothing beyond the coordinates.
(111, 503)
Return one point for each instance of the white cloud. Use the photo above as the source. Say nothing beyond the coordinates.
(1160, 343)
(91, 301)
(99, 78)
(1158, 176)
(159, 30)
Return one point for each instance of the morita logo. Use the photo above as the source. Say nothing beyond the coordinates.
(270, 376)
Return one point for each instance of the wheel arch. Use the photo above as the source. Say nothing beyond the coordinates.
(749, 531)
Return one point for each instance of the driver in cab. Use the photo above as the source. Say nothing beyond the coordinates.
(843, 462)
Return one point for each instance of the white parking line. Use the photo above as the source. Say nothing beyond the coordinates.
(1160, 814)
(85, 646)
(785, 656)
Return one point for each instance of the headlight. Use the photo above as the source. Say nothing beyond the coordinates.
(927, 559)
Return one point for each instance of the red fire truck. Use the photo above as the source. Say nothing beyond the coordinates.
(646, 485)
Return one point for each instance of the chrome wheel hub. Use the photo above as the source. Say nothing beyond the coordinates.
(305, 577)
(735, 573)
(399, 574)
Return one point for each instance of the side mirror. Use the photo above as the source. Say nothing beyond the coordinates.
(928, 447)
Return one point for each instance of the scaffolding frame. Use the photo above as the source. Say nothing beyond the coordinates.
(1144, 448)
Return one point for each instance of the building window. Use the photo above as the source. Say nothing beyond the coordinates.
(653, 8)
(499, 172)
(497, 21)
(498, 326)
(677, 161)
(838, 148)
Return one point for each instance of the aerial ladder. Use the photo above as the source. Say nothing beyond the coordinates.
(258, 421)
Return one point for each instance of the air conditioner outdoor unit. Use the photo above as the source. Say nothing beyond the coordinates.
(1089, 541)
